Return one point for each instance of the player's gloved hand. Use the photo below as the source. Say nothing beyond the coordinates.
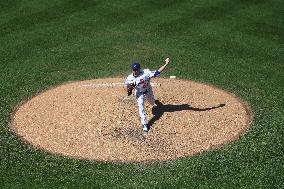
(130, 89)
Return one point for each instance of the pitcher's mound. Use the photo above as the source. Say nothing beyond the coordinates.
(95, 120)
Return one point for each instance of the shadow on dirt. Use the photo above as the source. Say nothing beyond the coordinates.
(160, 109)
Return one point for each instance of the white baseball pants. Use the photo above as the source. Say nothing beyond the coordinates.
(140, 97)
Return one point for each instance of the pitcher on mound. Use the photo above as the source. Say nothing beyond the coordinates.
(139, 81)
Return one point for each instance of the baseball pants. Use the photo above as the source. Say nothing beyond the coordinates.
(140, 97)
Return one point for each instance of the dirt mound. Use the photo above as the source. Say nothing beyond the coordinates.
(95, 120)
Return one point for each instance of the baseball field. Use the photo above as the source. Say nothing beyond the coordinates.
(234, 45)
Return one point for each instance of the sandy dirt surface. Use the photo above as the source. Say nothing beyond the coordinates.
(88, 120)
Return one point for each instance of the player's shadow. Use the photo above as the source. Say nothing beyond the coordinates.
(160, 109)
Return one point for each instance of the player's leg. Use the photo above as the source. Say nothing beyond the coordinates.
(150, 97)
(142, 113)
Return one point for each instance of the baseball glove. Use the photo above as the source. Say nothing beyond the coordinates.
(130, 89)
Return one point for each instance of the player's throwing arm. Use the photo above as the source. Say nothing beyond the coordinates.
(164, 66)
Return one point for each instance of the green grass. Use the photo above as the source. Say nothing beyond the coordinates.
(237, 45)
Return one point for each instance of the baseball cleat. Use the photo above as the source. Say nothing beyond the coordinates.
(145, 128)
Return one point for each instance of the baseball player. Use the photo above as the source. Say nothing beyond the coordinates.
(139, 81)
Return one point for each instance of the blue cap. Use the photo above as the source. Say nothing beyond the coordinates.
(135, 66)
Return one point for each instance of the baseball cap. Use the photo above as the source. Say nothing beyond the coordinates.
(135, 66)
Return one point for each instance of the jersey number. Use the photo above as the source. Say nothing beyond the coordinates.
(143, 83)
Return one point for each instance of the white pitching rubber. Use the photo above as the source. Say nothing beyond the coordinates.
(97, 85)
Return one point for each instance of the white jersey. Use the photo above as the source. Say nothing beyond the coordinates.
(142, 81)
